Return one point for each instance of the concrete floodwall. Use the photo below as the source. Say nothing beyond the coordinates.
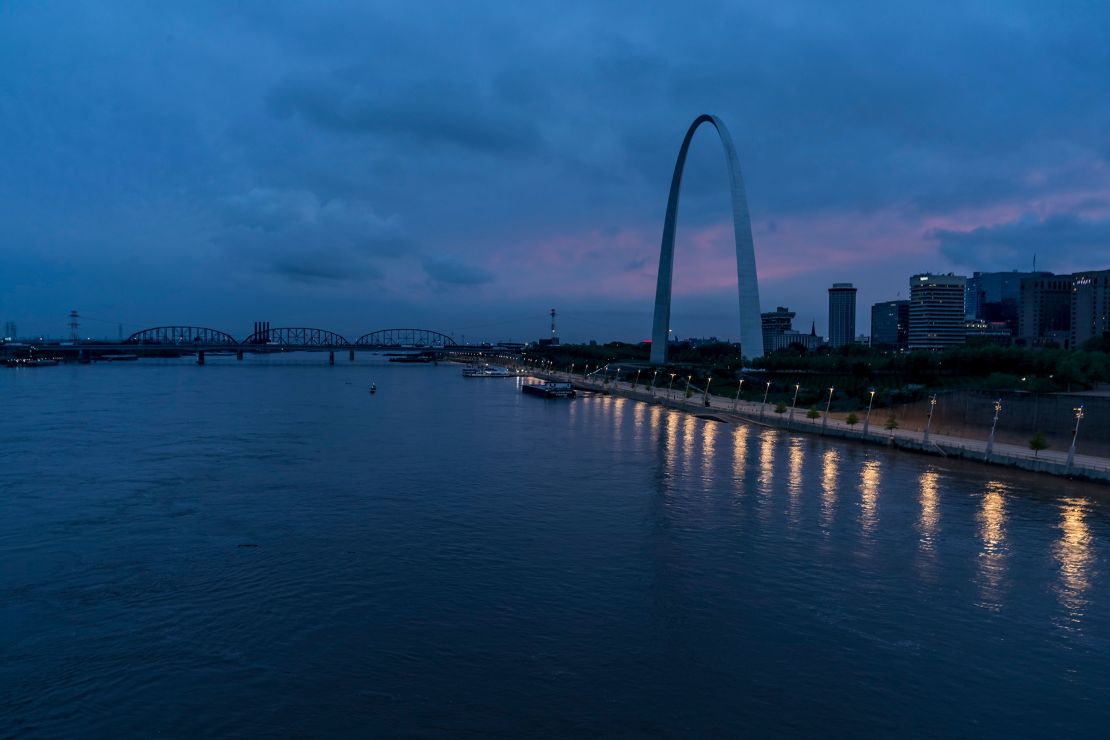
(969, 414)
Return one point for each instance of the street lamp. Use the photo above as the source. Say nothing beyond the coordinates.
(670, 386)
(637, 381)
(867, 419)
(737, 399)
(653, 377)
(764, 406)
(705, 396)
(990, 441)
(687, 393)
(929, 421)
(1074, 435)
(825, 418)
(797, 387)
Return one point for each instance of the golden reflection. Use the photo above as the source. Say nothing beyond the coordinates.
(869, 495)
(740, 453)
(708, 448)
(670, 440)
(794, 484)
(829, 464)
(639, 416)
(930, 510)
(767, 458)
(689, 434)
(617, 413)
(1073, 552)
(927, 524)
(992, 530)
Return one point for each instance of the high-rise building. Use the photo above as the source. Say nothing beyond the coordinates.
(842, 314)
(890, 324)
(996, 296)
(775, 323)
(1045, 310)
(936, 311)
(1090, 306)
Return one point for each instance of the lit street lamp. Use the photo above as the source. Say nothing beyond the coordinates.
(670, 386)
(990, 441)
(825, 419)
(637, 381)
(687, 394)
(797, 387)
(653, 377)
(1074, 435)
(705, 396)
(929, 421)
(867, 419)
(737, 399)
(764, 406)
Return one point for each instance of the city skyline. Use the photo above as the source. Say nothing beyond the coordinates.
(361, 168)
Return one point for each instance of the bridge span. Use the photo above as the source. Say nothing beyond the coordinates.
(180, 340)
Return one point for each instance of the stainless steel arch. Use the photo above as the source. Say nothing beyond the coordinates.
(751, 331)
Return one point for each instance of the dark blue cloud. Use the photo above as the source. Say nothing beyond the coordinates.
(304, 155)
(1062, 242)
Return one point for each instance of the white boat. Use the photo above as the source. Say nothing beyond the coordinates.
(550, 389)
(487, 371)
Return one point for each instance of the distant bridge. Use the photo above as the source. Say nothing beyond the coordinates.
(199, 340)
(287, 338)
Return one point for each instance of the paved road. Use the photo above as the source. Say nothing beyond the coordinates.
(765, 412)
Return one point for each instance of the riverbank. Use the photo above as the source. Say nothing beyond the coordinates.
(1083, 467)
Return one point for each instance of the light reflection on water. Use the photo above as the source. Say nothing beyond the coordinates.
(829, 472)
(1073, 553)
(617, 411)
(708, 451)
(689, 431)
(740, 455)
(796, 479)
(670, 441)
(767, 442)
(869, 496)
(927, 524)
(992, 557)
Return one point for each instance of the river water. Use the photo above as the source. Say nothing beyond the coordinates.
(265, 548)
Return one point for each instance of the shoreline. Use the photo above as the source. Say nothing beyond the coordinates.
(1084, 468)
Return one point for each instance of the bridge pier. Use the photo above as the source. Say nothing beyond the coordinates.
(200, 357)
(239, 355)
(352, 356)
(331, 357)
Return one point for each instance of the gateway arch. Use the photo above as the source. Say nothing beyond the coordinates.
(751, 329)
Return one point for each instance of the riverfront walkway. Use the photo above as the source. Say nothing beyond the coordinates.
(1047, 461)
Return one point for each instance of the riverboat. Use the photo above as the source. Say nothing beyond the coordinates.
(487, 371)
(550, 389)
(31, 362)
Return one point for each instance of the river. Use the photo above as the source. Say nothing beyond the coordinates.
(265, 548)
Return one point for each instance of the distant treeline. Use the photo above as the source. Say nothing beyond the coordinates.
(854, 370)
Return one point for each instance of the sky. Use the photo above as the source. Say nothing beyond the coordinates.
(467, 166)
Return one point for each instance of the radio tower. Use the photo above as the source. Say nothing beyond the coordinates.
(554, 335)
(74, 334)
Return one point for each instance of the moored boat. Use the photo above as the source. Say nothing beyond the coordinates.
(550, 389)
(487, 371)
